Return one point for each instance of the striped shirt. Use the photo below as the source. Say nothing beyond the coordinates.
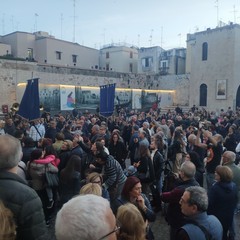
(113, 173)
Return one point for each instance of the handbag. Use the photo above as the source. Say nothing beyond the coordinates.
(51, 179)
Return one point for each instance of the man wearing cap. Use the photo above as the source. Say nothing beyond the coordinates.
(16, 195)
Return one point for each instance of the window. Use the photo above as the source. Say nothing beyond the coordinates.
(131, 54)
(107, 54)
(130, 67)
(30, 54)
(204, 51)
(58, 55)
(107, 67)
(164, 64)
(147, 62)
(74, 58)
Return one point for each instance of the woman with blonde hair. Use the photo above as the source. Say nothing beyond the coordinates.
(7, 226)
(91, 188)
(65, 154)
(95, 177)
(131, 221)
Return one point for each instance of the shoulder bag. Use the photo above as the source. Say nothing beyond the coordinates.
(51, 179)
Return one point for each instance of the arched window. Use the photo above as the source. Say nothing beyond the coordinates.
(203, 95)
(238, 98)
(204, 51)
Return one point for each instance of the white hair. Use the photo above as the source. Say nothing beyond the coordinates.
(10, 151)
(83, 217)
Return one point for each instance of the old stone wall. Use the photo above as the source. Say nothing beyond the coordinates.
(13, 73)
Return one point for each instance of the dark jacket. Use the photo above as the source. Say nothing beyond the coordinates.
(175, 217)
(51, 133)
(27, 153)
(230, 142)
(133, 146)
(64, 156)
(118, 151)
(25, 205)
(71, 188)
(158, 164)
(191, 231)
(223, 199)
(214, 154)
(67, 135)
(145, 171)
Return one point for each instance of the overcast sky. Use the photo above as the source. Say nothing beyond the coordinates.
(142, 23)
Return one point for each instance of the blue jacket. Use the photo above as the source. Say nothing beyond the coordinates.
(223, 197)
(209, 222)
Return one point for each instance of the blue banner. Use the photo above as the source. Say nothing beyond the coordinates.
(107, 95)
(29, 106)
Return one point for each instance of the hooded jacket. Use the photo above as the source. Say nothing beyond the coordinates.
(223, 197)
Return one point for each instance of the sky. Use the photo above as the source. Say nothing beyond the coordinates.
(95, 23)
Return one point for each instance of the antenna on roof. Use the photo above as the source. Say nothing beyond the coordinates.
(150, 38)
(234, 13)
(104, 36)
(161, 37)
(217, 7)
(74, 18)
(35, 25)
(12, 20)
(3, 24)
(61, 24)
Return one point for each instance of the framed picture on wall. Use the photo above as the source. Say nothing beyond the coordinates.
(221, 89)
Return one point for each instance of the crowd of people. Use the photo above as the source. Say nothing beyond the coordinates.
(98, 195)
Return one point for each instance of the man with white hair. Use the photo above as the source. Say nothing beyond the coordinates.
(16, 195)
(228, 159)
(86, 217)
(145, 127)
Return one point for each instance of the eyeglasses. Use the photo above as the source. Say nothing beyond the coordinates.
(114, 231)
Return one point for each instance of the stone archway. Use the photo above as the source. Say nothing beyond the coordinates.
(238, 98)
(203, 95)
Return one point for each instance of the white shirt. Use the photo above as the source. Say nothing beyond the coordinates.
(33, 133)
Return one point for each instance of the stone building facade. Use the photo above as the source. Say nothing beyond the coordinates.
(211, 80)
(119, 58)
(213, 60)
